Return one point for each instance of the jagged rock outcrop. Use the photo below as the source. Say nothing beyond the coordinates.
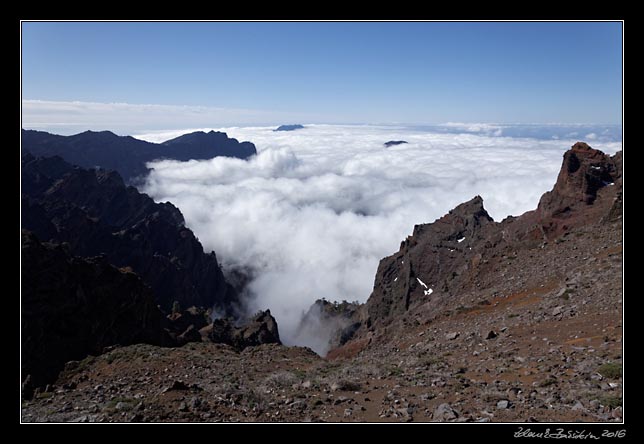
(432, 253)
(127, 155)
(451, 255)
(584, 171)
(73, 306)
(260, 329)
(95, 213)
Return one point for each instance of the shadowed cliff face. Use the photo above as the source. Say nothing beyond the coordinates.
(127, 155)
(95, 213)
(73, 306)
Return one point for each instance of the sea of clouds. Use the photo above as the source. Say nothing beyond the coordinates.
(314, 212)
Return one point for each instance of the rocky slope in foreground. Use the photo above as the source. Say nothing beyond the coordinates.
(523, 323)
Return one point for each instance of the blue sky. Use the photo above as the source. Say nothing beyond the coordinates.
(336, 72)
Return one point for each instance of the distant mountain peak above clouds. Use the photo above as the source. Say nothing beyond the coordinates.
(394, 143)
(289, 127)
(103, 132)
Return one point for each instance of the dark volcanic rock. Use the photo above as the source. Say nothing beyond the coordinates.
(72, 307)
(95, 213)
(584, 174)
(584, 171)
(394, 143)
(260, 329)
(35, 218)
(201, 145)
(128, 155)
(289, 127)
(41, 175)
(433, 252)
(185, 325)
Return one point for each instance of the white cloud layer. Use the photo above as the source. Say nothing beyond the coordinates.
(316, 209)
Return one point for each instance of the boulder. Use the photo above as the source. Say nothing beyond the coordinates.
(445, 412)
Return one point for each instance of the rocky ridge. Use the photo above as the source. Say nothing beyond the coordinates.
(127, 155)
(523, 323)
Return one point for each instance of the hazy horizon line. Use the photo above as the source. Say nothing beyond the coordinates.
(138, 117)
